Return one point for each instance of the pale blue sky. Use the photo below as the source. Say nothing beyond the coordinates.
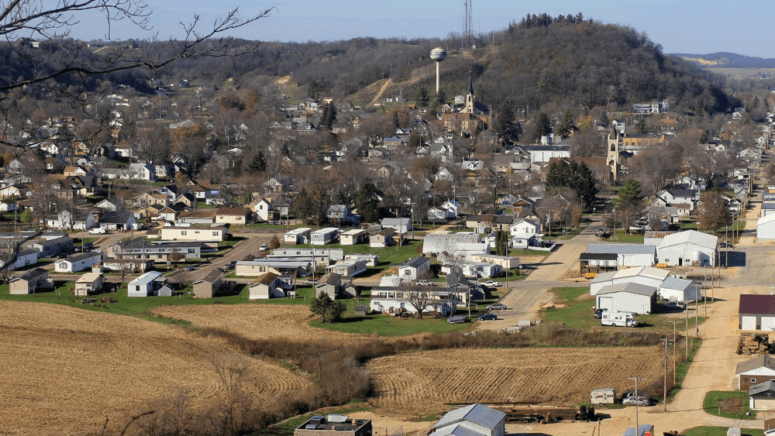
(680, 26)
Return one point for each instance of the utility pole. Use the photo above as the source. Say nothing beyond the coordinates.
(664, 382)
(686, 311)
(637, 397)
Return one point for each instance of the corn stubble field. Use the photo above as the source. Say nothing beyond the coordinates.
(423, 382)
(66, 370)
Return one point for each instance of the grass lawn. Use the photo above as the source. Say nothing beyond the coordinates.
(719, 431)
(521, 252)
(683, 367)
(578, 313)
(287, 427)
(622, 236)
(714, 404)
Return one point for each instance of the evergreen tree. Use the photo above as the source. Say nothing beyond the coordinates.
(396, 120)
(258, 165)
(328, 117)
(542, 126)
(329, 309)
(578, 177)
(630, 194)
(566, 124)
(506, 123)
(368, 203)
(26, 216)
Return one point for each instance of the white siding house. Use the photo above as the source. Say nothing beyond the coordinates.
(297, 236)
(412, 269)
(324, 236)
(627, 254)
(78, 262)
(145, 285)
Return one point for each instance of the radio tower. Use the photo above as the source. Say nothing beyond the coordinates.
(468, 28)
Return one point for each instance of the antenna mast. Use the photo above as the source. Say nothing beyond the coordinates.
(468, 28)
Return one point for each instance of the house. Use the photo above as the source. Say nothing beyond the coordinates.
(233, 215)
(142, 249)
(352, 237)
(265, 286)
(681, 290)
(168, 214)
(211, 235)
(29, 282)
(130, 265)
(673, 196)
(765, 228)
(75, 220)
(146, 285)
(505, 262)
(757, 312)
(688, 248)
(627, 255)
(334, 425)
(300, 235)
(121, 221)
(401, 225)
(318, 255)
(382, 238)
(348, 267)
(522, 227)
(89, 283)
(263, 207)
(340, 214)
(187, 199)
(762, 396)
(454, 244)
(209, 286)
(330, 284)
(473, 420)
(627, 297)
(53, 246)
(324, 236)
(23, 259)
(285, 267)
(647, 276)
(78, 262)
(141, 171)
(106, 205)
(279, 184)
(758, 370)
(196, 217)
(413, 269)
(150, 198)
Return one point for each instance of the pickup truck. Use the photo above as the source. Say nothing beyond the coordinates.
(423, 283)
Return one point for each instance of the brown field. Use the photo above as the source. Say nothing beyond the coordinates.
(65, 370)
(254, 321)
(420, 383)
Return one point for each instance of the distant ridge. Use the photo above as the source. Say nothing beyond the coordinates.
(726, 60)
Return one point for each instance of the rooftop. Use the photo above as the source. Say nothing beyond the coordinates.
(757, 304)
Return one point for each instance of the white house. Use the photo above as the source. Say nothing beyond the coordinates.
(146, 285)
(473, 420)
(262, 208)
(77, 220)
(78, 262)
(324, 236)
(627, 297)
(211, 234)
(141, 171)
(396, 305)
(688, 248)
(412, 269)
(88, 283)
(765, 228)
(681, 290)
(24, 258)
(524, 227)
(627, 254)
(762, 396)
(265, 286)
(300, 235)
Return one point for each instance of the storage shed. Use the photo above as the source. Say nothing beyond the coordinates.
(765, 228)
(762, 396)
(627, 297)
(681, 290)
(757, 312)
(688, 248)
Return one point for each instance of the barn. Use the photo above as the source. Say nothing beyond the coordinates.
(688, 248)
(762, 396)
(627, 297)
(757, 312)
(755, 371)
(681, 290)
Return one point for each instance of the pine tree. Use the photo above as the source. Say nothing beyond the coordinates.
(506, 124)
(396, 120)
(566, 124)
(542, 126)
(367, 203)
(258, 165)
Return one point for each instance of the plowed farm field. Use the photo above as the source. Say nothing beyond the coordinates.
(65, 370)
(420, 383)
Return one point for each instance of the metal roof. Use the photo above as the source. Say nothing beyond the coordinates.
(690, 237)
(33, 273)
(676, 283)
(641, 430)
(757, 304)
(645, 271)
(632, 288)
(457, 430)
(264, 279)
(414, 263)
(82, 256)
(621, 248)
(762, 360)
(765, 219)
(146, 278)
(88, 277)
(769, 385)
(598, 256)
(476, 413)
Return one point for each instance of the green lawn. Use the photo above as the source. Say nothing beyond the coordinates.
(711, 404)
(579, 313)
(287, 427)
(622, 236)
(719, 431)
(521, 252)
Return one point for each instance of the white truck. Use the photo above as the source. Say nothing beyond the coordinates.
(618, 319)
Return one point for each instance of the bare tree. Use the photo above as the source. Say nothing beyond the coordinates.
(418, 297)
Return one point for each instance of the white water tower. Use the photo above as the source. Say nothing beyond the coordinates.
(438, 54)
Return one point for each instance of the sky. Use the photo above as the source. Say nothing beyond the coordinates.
(680, 26)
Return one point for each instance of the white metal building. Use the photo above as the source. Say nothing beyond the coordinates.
(757, 312)
(627, 254)
(647, 276)
(473, 420)
(765, 228)
(682, 290)
(688, 248)
(627, 297)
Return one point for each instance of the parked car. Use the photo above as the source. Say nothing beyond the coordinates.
(230, 265)
(488, 317)
(97, 231)
(310, 281)
(599, 313)
(632, 400)
(423, 283)
(492, 284)
(457, 319)
(497, 306)
(264, 247)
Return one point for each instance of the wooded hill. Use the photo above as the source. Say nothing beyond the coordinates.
(541, 59)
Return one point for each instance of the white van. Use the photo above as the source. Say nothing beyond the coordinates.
(618, 319)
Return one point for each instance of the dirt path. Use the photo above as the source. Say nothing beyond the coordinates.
(381, 91)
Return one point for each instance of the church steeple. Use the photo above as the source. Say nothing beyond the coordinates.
(469, 108)
(470, 85)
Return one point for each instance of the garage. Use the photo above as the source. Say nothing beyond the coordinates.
(605, 303)
(627, 297)
(757, 312)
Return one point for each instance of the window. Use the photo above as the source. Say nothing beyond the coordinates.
(215, 233)
(182, 233)
(196, 232)
(753, 380)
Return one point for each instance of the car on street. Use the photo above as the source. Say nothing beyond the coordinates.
(190, 267)
(97, 231)
(488, 317)
(492, 284)
(599, 313)
(497, 306)
(310, 281)
(423, 283)
(230, 265)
